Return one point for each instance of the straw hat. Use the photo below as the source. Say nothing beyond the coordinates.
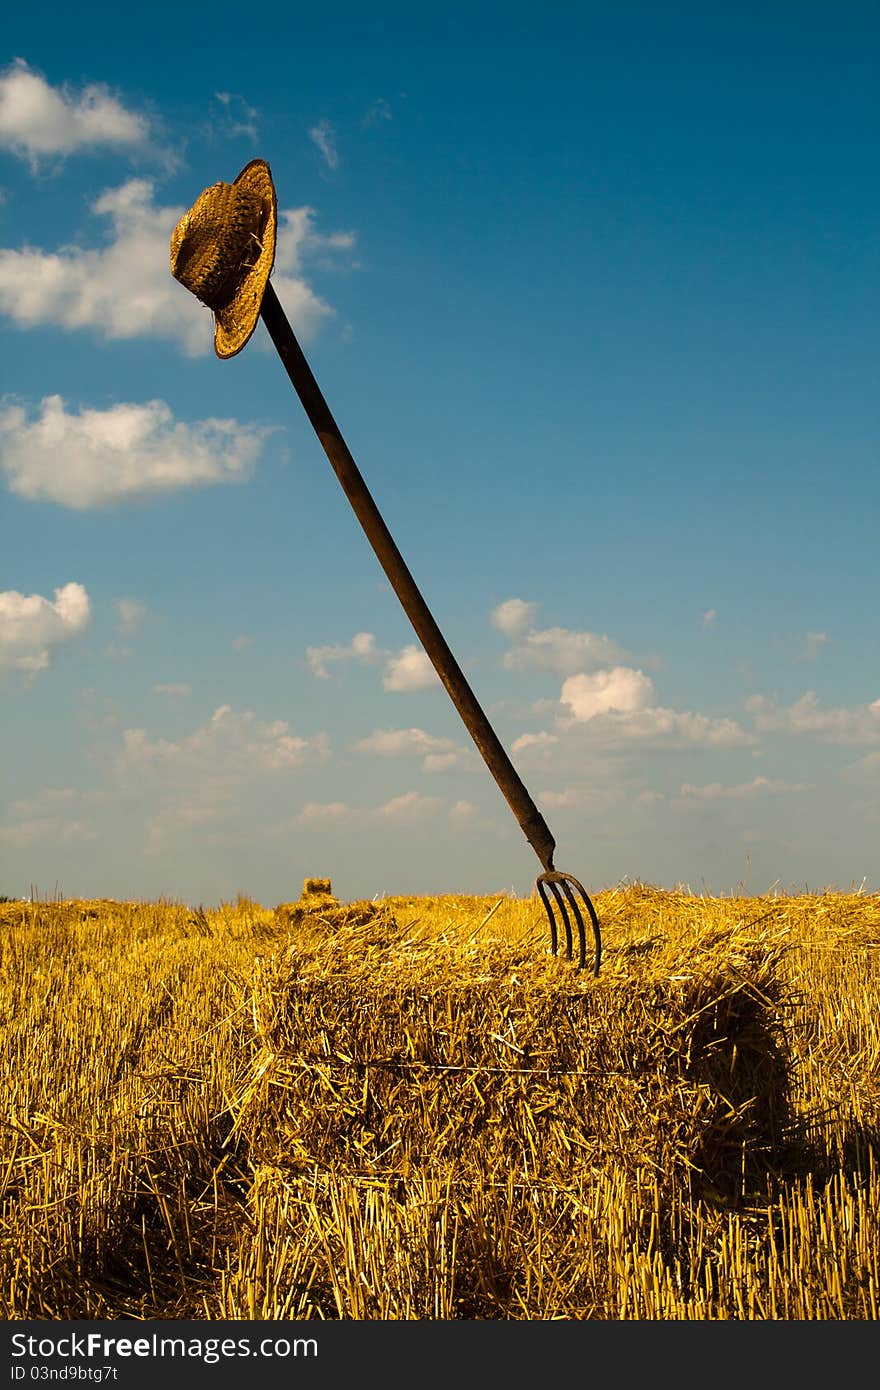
(223, 250)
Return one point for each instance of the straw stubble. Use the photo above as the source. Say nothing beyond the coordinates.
(407, 1109)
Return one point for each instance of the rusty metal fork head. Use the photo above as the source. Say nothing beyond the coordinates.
(562, 888)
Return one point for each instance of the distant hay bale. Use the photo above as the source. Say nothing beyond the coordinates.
(317, 887)
(387, 1055)
(319, 905)
(316, 895)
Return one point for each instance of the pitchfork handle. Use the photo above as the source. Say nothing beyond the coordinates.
(532, 822)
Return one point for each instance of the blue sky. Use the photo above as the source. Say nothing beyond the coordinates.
(593, 294)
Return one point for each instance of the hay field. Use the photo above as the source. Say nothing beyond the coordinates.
(408, 1109)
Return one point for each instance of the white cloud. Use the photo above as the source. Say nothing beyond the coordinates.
(438, 754)
(324, 136)
(445, 762)
(570, 797)
(242, 642)
(513, 616)
(297, 245)
(859, 724)
(710, 617)
(230, 745)
(559, 649)
(617, 707)
(393, 743)
(715, 791)
(410, 669)
(404, 810)
(95, 457)
(534, 741)
(38, 121)
(130, 613)
(462, 813)
(362, 647)
(407, 808)
(30, 626)
(551, 648)
(298, 242)
(176, 691)
(621, 689)
(672, 727)
(542, 752)
(126, 290)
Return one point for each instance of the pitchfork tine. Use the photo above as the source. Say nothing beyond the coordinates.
(561, 883)
(560, 903)
(582, 943)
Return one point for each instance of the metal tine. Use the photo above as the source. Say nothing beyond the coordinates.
(542, 894)
(555, 880)
(582, 940)
(560, 903)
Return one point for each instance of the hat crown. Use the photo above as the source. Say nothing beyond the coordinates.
(216, 243)
(223, 251)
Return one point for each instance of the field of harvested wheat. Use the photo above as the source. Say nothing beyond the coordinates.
(409, 1109)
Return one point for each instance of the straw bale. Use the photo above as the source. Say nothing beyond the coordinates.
(317, 887)
(317, 893)
(391, 1055)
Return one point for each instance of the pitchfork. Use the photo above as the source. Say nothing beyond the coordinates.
(552, 884)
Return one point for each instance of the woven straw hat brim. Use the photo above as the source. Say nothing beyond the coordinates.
(236, 321)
